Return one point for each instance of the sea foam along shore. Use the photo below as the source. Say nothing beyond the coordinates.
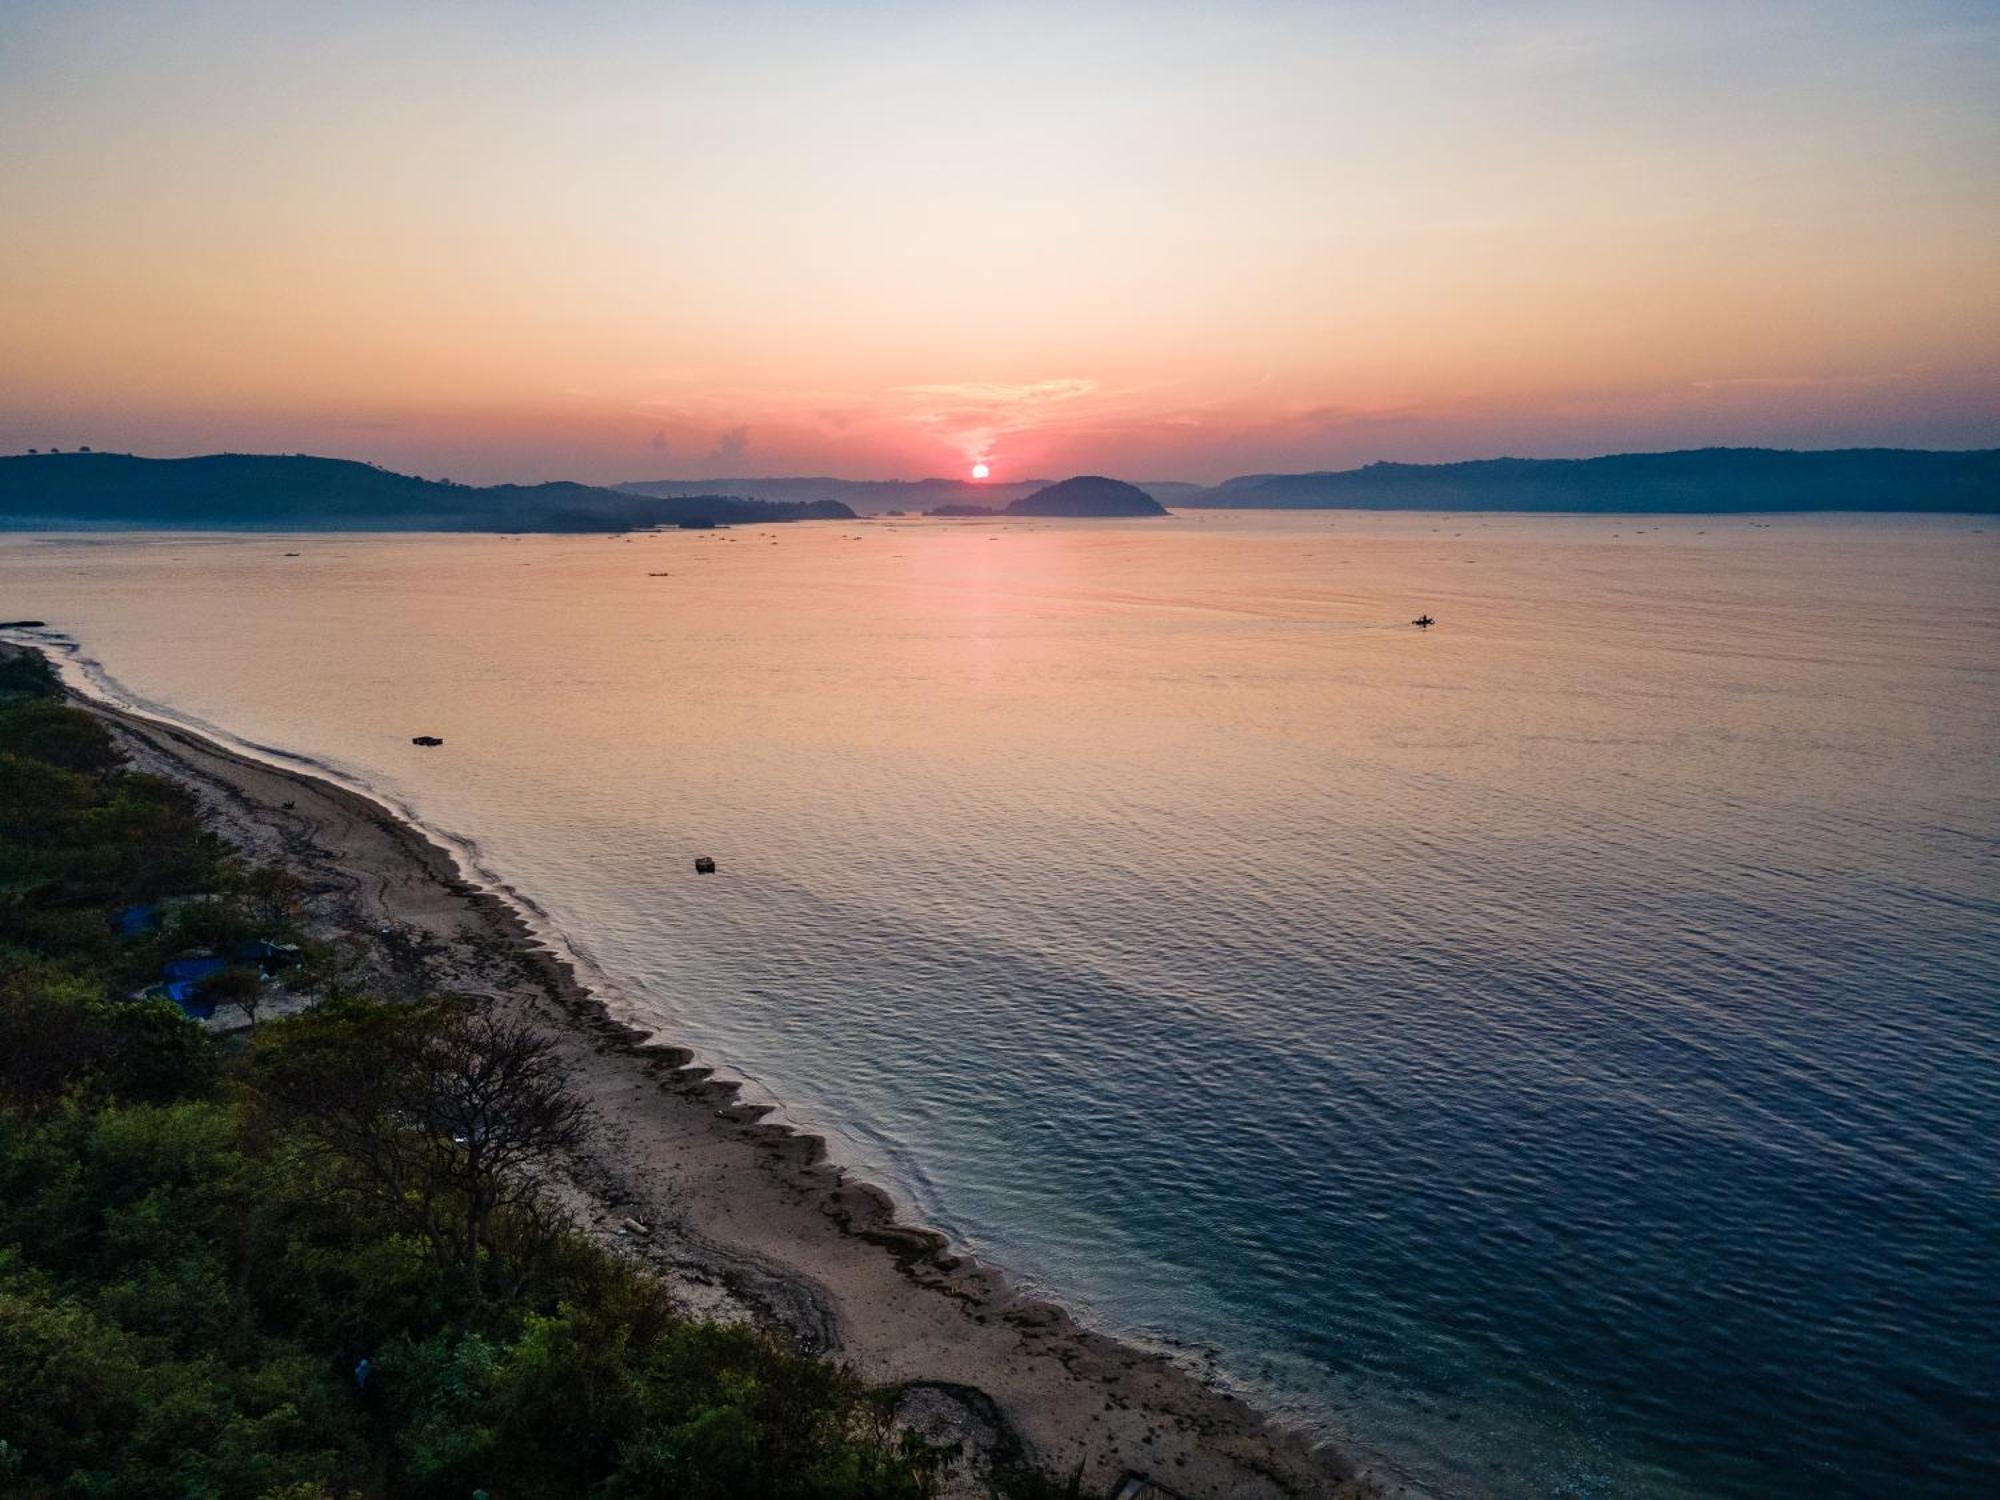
(742, 1217)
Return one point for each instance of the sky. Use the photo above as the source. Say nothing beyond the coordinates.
(605, 240)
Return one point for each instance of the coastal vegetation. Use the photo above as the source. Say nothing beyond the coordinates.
(320, 1261)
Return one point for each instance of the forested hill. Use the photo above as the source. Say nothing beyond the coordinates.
(250, 492)
(1698, 480)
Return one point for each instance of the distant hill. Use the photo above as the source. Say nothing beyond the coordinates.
(1088, 495)
(1170, 492)
(251, 492)
(870, 497)
(1695, 481)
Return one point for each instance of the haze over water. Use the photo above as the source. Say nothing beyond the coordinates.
(1556, 1050)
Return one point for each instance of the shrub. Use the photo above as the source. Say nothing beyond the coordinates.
(27, 674)
(59, 1036)
(42, 729)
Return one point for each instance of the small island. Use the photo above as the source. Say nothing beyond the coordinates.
(1088, 495)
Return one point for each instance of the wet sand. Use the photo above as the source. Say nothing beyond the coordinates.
(741, 1218)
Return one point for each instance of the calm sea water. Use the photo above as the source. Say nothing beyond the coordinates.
(1558, 1051)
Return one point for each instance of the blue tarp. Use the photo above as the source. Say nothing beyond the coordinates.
(200, 1010)
(137, 919)
(182, 993)
(191, 968)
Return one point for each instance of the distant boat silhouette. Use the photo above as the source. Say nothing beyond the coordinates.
(704, 866)
(425, 739)
(1423, 622)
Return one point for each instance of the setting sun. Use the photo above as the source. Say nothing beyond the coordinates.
(980, 471)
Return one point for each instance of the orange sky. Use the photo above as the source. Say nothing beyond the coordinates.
(620, 240)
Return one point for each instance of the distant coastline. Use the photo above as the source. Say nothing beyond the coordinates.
(298, 492)
(1698, 481)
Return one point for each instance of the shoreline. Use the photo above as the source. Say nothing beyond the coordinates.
(744, 1218)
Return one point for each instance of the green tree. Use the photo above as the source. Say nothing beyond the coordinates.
(439, 1114)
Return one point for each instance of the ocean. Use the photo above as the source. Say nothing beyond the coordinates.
(1556, 1053)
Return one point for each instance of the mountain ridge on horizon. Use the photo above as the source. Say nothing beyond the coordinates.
(300, 491)
(1695, 480)
(1687, 480)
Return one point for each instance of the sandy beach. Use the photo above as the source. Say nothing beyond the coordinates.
(739, 1217)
